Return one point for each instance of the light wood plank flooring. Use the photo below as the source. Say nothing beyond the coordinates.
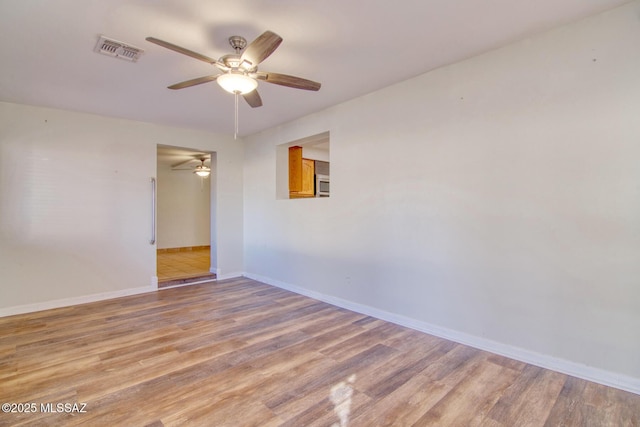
(242, 353)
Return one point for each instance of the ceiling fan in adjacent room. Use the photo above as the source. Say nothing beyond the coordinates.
(201, 170)
(238, 72)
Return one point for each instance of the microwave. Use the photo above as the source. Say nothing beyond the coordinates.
(322, 185)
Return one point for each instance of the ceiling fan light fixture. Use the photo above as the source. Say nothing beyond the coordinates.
(237, 83)
(202, 170)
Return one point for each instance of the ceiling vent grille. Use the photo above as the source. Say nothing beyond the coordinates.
(117, 49)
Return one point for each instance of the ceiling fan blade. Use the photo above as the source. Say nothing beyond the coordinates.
(290, 81)
(193, 82)
(259, 49)
(179, 165)
(181, 50)
(253, 98)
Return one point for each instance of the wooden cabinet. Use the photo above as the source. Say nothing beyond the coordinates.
(301, 175)
(308, 177)
(295, 169)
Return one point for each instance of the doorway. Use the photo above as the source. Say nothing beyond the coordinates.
(184, 216)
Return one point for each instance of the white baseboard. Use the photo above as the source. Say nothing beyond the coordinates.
(228, 275)
(66, 302)
(600, 376)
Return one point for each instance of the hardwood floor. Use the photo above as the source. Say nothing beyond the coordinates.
(183, 265)
(242, 353)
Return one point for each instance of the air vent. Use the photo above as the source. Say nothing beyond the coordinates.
(117, 49)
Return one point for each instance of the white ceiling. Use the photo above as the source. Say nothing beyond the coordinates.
(351, 47)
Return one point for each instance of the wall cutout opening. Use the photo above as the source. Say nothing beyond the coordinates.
(304, 168)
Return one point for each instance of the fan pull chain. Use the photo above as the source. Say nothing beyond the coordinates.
(235, 133)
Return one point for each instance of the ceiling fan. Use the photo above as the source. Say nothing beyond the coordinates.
(239, 71)
(201, 170)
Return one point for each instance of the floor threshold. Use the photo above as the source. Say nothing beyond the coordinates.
(186, 281)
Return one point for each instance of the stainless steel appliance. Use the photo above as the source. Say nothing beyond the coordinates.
(322, 185)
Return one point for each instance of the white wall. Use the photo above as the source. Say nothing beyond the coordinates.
(315, 154)
(184, 208)
(75, 205)
(496, 200)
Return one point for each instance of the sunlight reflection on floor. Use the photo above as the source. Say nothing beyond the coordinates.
(341, 398)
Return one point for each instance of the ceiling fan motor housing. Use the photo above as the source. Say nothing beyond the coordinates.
(231, 60)
(234, 60)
